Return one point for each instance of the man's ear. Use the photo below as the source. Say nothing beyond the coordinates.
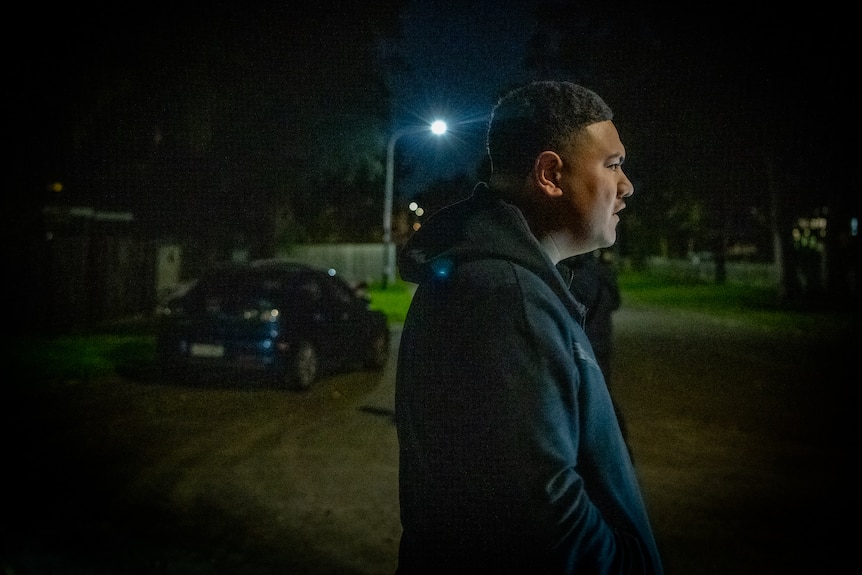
(546, 173)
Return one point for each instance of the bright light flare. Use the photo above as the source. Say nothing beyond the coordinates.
(438, 127)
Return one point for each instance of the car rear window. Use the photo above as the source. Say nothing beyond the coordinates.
(254, 291)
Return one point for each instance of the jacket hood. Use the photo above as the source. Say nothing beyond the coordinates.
(481, 226)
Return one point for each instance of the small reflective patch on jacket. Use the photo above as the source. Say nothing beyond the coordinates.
(441, 268)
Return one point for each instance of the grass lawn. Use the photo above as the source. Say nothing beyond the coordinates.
(101, 351)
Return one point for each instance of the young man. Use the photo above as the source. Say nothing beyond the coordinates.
(511, 457)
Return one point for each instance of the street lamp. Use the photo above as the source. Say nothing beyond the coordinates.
(438, 128)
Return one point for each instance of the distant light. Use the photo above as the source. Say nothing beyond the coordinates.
(413, 206)
(438, 127)
(58, 187)
(331, 271)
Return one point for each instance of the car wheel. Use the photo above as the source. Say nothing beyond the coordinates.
(378, 352)
(304, 366)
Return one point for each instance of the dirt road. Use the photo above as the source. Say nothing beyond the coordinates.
(739, 435)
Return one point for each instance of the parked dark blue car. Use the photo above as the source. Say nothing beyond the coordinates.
(286, 319)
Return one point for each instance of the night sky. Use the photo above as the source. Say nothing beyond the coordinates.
(462, 55)
(713, 92)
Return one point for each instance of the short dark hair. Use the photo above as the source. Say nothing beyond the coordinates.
(537, 117)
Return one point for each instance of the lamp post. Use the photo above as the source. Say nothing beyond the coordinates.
(438, 128)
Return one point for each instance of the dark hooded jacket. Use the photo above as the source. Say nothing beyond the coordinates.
(511, 457)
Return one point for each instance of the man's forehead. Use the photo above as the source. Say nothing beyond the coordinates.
(601, 136)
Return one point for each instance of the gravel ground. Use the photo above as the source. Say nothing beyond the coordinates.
(740, 436)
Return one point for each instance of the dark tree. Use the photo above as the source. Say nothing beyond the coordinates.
(223, 123)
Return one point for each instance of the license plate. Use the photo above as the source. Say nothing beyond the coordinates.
(206, 350)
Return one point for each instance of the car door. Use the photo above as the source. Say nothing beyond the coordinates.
(345, 319)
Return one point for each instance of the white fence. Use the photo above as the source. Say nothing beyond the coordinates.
(364, 263)
(748, 273)
(354, 262)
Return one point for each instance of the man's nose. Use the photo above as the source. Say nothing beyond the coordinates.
(627, 187)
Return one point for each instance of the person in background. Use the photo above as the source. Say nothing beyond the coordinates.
(511, 456)
(592, 279)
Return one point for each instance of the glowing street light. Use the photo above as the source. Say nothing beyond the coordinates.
(438, 128)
